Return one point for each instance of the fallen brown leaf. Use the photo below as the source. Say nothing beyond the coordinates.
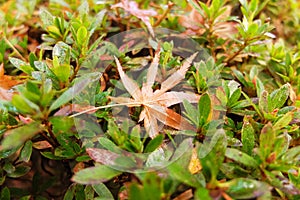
(156, 103)
(188, 194)
(6, 83)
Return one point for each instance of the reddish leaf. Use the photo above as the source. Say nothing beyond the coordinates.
(132, 8)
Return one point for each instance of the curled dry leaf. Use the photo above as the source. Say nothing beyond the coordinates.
(132, 8)
(6, 83)
(156, 103)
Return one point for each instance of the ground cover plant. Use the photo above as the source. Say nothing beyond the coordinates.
(104, 99)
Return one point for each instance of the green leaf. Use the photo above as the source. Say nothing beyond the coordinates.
(248, 137)
(32, 58)
(190, 112)
(109, 145)
(46, 17)
(5, 194)
(102, 191)
(278, 97)
(283, 121)
(19, 171)
(20, 103)
(89, 193)
(73, 91)
(209, 151)
(263, 102)
(291, 155)
(204, 107)
(81, 35)
(242, 188)
(234, 97)
(178, 172)
(154, 144)
(241, 157)
(62, 72)
(202, 193)
(21, 65)
(95, 175)
(266, 140)
(26, 152)
(16, 137)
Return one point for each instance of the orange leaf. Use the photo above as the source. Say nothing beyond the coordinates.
(6, 83)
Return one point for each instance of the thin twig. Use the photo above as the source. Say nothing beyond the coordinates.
(14, 49)
(163, 16)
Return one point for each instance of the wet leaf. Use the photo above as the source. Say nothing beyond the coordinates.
(242, 188)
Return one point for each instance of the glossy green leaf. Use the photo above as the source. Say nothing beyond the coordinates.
(204, 107)
(154, 143)
(241, 157)
(242, 188)
(20, 170)
(248, 137)
(26, 152)
(278, 97)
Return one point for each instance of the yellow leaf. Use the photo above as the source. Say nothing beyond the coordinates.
(195, 165)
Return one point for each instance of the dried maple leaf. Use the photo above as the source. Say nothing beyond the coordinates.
(6, 83)
(156, 103)
(132, 8)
